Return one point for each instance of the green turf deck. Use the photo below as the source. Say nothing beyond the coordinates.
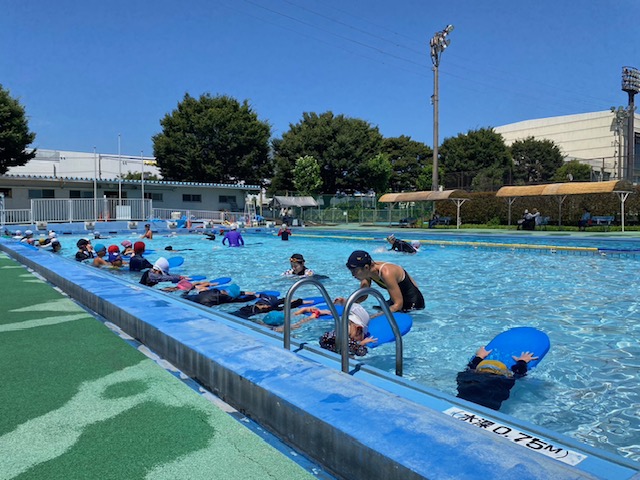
(76, 402)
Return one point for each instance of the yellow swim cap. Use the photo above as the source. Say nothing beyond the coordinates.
(493, 366)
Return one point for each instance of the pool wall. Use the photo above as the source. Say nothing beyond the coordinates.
(355, 428)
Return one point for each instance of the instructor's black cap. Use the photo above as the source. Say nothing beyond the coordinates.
(83, 242)
(359, 259)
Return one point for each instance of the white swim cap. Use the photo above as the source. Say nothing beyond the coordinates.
(162, 264)
(359, 316)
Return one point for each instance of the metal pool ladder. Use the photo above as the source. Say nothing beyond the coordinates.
(342, 323)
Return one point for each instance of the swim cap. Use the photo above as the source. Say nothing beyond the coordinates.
(18, 232)
(234, 226)
(275, 318)
(83, 242)
(162, 264)
(113, 249)
(185, 285)
(99, 247)
(27, 233)
(493, 366)
(391, 238)
(126, 243)
(296, 257)
(359, 316)
(139, 247)
(359, 259)
(232, 290)
(52, 234)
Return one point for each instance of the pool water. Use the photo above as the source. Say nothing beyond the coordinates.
(587, 385)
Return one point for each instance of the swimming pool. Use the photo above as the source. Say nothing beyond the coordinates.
(586, 387)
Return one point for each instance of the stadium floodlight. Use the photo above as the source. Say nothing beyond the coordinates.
(631, 85)
(437, 45)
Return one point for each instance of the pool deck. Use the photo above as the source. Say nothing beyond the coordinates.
(79, 402)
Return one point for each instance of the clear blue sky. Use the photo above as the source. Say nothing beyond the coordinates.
(88, 71)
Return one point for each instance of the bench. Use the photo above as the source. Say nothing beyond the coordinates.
(408, 222)
(439, 221)
(604, 220)
(543, 222)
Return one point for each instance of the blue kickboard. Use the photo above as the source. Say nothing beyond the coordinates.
(517, 340)
(379, 327)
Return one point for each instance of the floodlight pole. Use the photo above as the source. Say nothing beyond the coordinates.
(95, 185)
(631, 85)
(119, 173)
(437, 45)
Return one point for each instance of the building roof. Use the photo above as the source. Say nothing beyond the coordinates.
(130, 182)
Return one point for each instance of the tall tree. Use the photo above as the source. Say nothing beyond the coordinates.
(213, 139)
(306, 176)
(15, 136)
(477, 152)
(340, 145)
(535, 161)
(378, 171)
(573, 170)
(408, 159)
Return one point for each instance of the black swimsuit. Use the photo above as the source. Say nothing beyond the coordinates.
(412, 298)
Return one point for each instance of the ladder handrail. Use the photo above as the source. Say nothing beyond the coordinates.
(344, 342)
(287, 307)
(342, 323)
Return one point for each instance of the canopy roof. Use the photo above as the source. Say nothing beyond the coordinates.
(423, 196)
(296, 201)
(571, 188)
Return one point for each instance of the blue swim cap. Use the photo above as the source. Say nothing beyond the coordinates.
(275, 318)
(99, 247)
(233, 290)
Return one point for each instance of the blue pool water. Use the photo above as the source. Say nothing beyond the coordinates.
(587, 385)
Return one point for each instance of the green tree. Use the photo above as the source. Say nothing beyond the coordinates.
(477, 152)
(306, 175)
(535, 161)
(138, 176)
(341, 145)
(15, 136)
(378, 171)
(408, 158)
(213, 139)
(573, 170)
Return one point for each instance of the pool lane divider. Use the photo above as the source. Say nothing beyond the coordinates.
(491, 245)
(333, 417)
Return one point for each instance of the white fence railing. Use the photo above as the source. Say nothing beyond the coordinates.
(88, 209)
(18, 216)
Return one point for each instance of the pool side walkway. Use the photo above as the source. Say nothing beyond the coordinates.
(77, 401)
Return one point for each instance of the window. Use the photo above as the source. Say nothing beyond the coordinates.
(187, 197)
(80, 194)
(156, 197)
(42, 194)
(227, 199)
(6, 192)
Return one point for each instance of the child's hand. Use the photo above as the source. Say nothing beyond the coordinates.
(525, 356)
(368, 340)
(483, 353)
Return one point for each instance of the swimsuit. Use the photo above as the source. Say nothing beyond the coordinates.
(412, 299)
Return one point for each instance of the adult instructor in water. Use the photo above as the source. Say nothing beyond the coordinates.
(403, 290)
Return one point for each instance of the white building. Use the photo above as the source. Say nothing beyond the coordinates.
(596, 139)
(58, 163)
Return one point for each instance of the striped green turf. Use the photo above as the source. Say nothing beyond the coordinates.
(76, 402)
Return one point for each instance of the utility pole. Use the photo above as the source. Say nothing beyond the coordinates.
(437, 45)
